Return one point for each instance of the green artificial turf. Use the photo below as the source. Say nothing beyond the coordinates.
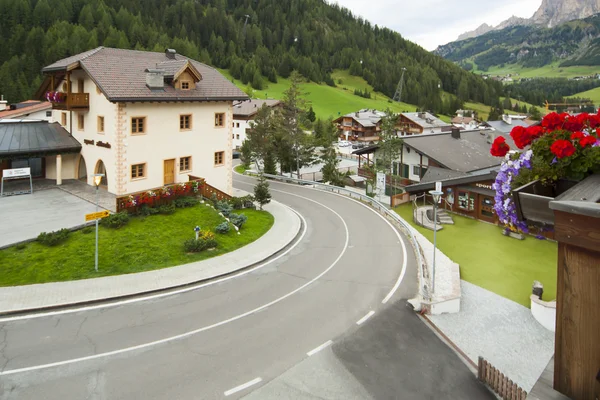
(498, 263)
(145, 244)
(240, 169)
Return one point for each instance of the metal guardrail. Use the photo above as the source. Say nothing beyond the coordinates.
(379, 207)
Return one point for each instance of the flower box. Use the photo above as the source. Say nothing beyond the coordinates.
(532, 200)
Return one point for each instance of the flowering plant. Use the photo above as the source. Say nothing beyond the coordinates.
(56, 97)
(563, 146)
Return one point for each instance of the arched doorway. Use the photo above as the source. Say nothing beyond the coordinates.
(101, 169)
(82, 169)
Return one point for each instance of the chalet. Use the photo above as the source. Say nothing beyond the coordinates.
(244, 113)
(143, 119)
(361, 126)
(30, 110)
(420, 123)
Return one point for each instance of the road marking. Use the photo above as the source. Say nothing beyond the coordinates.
(318, 349)
(242, 387)
(169, 293)
(205, 328)
(366, 317)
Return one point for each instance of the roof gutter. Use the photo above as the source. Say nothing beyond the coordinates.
(171, 99)
(418, 187)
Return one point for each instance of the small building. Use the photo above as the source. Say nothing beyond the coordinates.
(144, 119)
(360, 126)
(30, 109)
(243, 114)
(421, 123)
(507, 123)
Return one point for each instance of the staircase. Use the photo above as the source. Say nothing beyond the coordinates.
(423, 216)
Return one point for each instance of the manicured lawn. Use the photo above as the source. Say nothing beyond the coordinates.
(547, 71)
(240, 169)
(495, 262)
(144, 244)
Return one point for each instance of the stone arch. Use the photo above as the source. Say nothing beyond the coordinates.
(101, 169)
(81, 171)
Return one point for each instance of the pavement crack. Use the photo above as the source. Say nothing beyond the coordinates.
(80, 326)
(293, 275)
(3, 358)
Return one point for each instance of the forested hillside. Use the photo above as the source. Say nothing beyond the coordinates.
(281, 35)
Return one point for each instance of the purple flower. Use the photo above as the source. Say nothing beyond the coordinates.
(554, 161)
(540, 237)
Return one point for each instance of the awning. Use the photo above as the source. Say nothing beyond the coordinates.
(28, 139)
(479, 190)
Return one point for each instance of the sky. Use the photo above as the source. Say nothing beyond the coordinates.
(431, 23)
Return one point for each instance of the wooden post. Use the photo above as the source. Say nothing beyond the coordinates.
(577, 341)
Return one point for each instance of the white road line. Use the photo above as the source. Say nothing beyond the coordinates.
(242, 387)
(164, 294)
(318, 349)
(366, 317)
(205, 328)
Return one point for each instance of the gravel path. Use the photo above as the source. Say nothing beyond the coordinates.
(502, 331)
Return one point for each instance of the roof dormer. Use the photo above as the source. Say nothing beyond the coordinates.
(180, 73)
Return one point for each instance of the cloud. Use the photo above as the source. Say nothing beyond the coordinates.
(430, 23)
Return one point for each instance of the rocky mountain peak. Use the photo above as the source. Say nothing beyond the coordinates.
(555, 12)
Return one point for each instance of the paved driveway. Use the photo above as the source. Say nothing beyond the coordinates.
(26, 216)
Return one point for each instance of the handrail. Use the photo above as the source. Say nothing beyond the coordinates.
(381, 208)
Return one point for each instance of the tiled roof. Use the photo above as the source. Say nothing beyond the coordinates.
(505, 127)
(250, 107)
(18, 139)
(171, 67)
(37, 106)
(425, 119)
(434, 174)
(367, 118)
(121, 76)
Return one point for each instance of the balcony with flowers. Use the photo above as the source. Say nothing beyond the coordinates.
(68, 101)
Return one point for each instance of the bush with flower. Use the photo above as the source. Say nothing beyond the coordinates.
(563, 146)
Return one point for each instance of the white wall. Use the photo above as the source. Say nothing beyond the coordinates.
(544, 312)
(41, 115)
(69, 166)
(163, 140)
(411, 158)
(239, 132)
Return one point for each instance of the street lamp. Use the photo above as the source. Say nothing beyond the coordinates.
(97, 181)
(437, 195)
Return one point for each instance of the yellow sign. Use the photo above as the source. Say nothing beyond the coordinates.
(97, 215)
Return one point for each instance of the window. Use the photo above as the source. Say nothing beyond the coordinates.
(138, 171)
(185, 85)
(185, 164)
(237, 136)
(48, 113)
(185, 122)
(80, 122)
(219, 157)
(237, 124)
(63, 119)
(100, 124)
(416, 170)
(138, 125)
(220, 119)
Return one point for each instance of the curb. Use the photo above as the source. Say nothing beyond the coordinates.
(110, 299)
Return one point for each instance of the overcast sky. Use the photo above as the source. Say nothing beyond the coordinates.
(430, 23)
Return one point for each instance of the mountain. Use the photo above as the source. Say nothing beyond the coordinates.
(575, 42)
(254, 39)
(550, 13)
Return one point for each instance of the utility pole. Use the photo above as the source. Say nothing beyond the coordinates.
(398, 94)
(245, 23)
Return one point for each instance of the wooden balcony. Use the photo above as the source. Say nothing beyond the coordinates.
(73, 102)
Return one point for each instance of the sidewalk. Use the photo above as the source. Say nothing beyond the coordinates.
(31, 297)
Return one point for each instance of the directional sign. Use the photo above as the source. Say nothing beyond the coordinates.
(97, 215)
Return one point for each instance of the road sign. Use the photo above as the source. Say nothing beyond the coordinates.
(97, 215)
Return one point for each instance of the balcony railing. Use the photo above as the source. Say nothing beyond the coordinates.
(72, 101)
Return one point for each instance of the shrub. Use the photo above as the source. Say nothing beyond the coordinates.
(238, 220)
(53, 238)
(117, 220)
(224, 207)
(21, 246)
(206, 234)
(87, 230)
(223, 228)
(166, 209)
(184, 202)
(237, 203)
(147, 210)
(196, 246)
(213, 199)
(249, 201)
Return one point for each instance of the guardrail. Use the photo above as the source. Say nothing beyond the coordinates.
(381, 209)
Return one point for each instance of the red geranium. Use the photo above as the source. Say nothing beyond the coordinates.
(577, 135)
(562, 148)
(587, 141)
(575, 123)
(524, 136)
(553, 121)
(499, 147)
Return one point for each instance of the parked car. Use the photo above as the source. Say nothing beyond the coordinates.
(356, 146)
(344, 143)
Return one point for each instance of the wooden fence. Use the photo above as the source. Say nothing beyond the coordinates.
(500, 384)
(398, 199)
(208, 190)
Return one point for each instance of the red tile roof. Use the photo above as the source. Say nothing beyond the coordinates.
(37, 106)
(121, 76)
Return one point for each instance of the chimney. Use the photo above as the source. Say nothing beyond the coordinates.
(421, 115)
(3, 103)
(155, 78)
(170, 53)
(506, 118)
(455, 132)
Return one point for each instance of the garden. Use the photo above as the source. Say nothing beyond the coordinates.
(153, 237)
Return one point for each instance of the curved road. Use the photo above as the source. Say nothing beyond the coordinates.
(230, 338)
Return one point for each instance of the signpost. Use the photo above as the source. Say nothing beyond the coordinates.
(96, 215)
(437, 198)
(380, 184)
(16, 173)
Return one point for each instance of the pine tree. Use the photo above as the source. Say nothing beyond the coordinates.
(262, 195)
(311, 115)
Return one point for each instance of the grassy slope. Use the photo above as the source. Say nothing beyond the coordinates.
(329, 101)
(495, 262)
(144, 244)
(593, 94)
(547, 71)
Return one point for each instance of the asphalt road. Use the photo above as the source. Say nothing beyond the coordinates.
(242, 335)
